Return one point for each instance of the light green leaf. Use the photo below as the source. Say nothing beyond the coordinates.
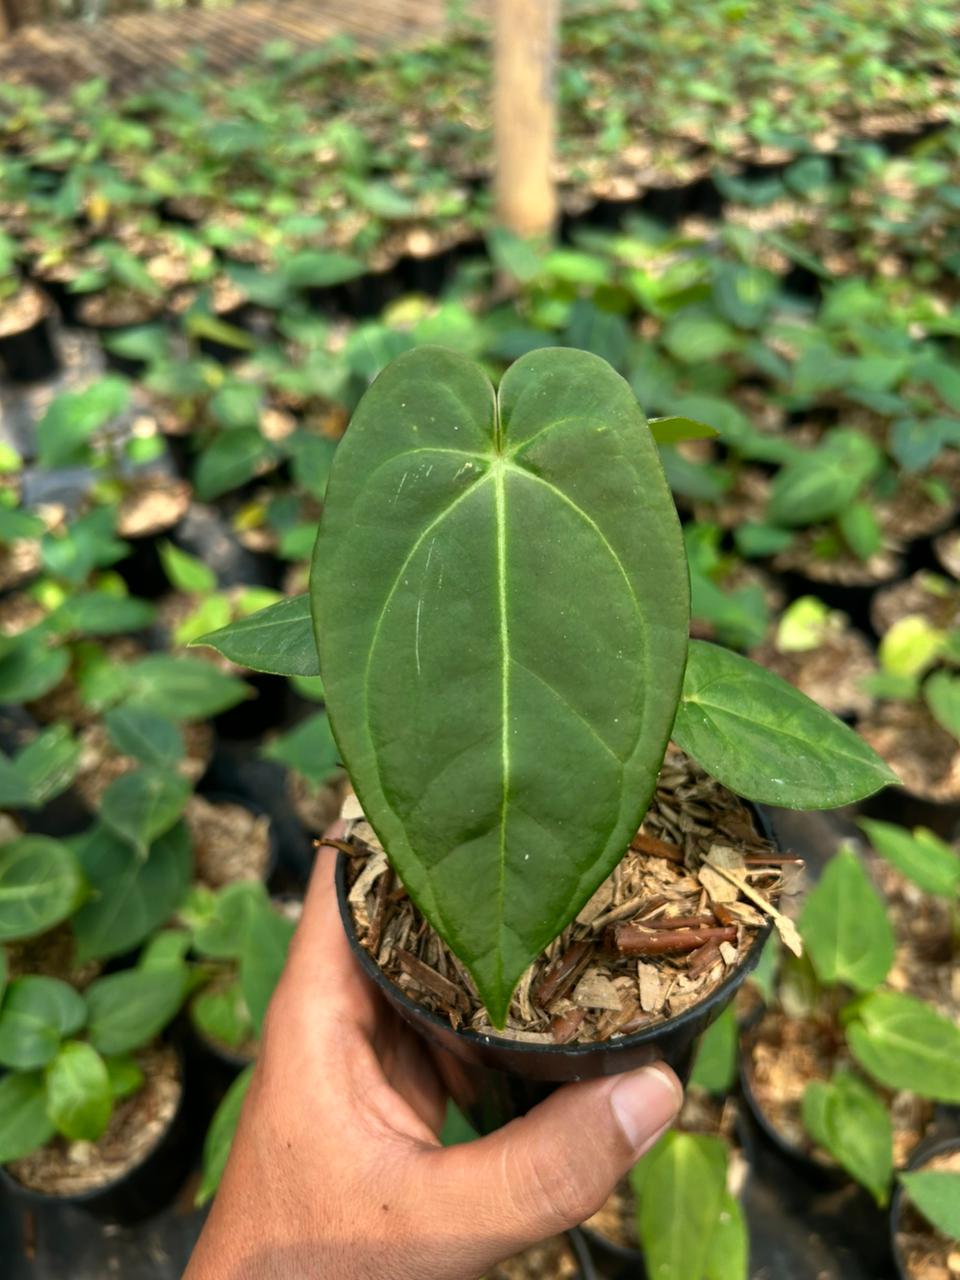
(904, 1044)
(185, 572)
(184, 688)
(673, 430)
(845, 928)
(145, 735)
(125, 1075)
(24, 1123)
(219, 1139)
(37, 1013)
(79, 1095)
(819, 484)
(264, 955)
(126, 1010)
(937, 1196)
(680, 1198)
(729, 1257)
(715, 1067)
(848, 1120)
(30, 670)
(278, 639)
(942, 694)
(222, 1015)
(910, 647)
(48, 764)
(233, 458)
(500, 601)
(765, 740)
(309, 749)
(73, 417)
(220, 925)
(130, 896)
(922, 856)
(142, 805)
(40, 884)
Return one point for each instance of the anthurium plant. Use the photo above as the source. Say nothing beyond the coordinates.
(499, 606)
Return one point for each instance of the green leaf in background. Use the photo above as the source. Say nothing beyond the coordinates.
(910, 647)
(185, 572)
(920, 855)
(847, 1119)
(681, 1192)
(312, 457)
(130, 896)
(804, 625)
(729, 1257)
(861, 530)
(673, 430)
(140, 806)
(312, 269)
(96, 613)
(824, 481)
(40, 885)
(145, 735)
(24, 1123)
(760, 540)
(219, 1139)
(765, 740)
(125, 1076)
(942, 695)
(499, 596)
(715, 1066)
(278, 639)
(73, 417)
(30, 670)
(264, 955)
(183, 688)
(233, 458)
(36, 1014)
(219, 921)
(126, 1010)
(936, 1195)
(237, 404)
(904, 1044)
(309, 749)
(457, 1129)
(222, 1015)
(48, 764)
(79, 1094)
(845, 928)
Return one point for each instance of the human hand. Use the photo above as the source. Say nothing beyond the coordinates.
(336, 1169)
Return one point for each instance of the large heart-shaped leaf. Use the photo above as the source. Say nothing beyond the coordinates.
(846, 1118)
(767, 741)
(142, 805)
(500, 600)
(278, 639)
(40, 884)
(920, 855)
(37, 1013)
(128, 1009)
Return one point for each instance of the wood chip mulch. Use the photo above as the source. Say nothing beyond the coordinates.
(675, 917)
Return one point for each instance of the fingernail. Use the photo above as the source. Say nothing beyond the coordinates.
(644, 1103)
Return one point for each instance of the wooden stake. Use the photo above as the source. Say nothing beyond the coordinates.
(524, 114)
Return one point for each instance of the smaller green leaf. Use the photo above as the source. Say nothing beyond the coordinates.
(183, 688)
(142, 805)
(145, 735)
(674, 430)
(126, 1077)
(209, 615)
(904, 1044)
(845, 928)
(765, 740)
(848, 1120)
(457, 1129)
(278, 640)
(220, 926)
(681, 1188)
(37, 1013)
(126, 1010)
(30, 670)
(79, 1095)
(309, 749)
(185, 572)
(73, 417)
(222, 1016)
(922, 856)
(910, 647)
(24, 1123)
(40, 885)
(729, 1256)
(715, 1067)
(48, 764)
(936, 1195)
(942, 694)
(97, 613)
(264, 955)
(219, 1139)
(861, 530)
(233, 458)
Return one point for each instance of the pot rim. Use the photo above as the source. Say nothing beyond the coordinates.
(521, 1048)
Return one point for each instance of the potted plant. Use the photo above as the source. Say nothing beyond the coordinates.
(27, 352)
(548, 748)
(93, 1104)
(925, 1215)
(841, 1071)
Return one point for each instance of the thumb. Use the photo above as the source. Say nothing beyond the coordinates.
(554, 1167)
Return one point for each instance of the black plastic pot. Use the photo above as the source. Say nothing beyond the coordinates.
(149, 1186)
(582, 1252)
(30, 355)
(924, 1152)
(493, 1080)
(894, 804)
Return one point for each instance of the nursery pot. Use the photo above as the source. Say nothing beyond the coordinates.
(493, 1080)
(936, 1145)
(150, 1185)
(29, 355)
